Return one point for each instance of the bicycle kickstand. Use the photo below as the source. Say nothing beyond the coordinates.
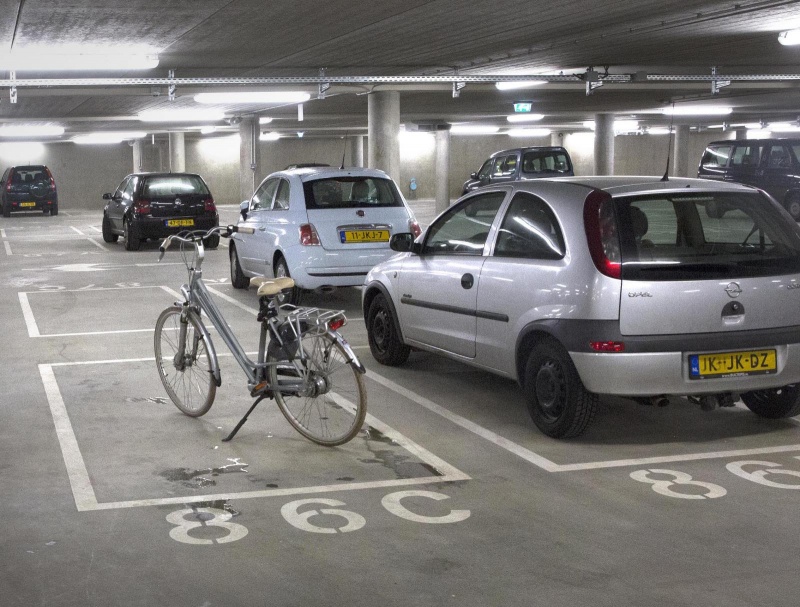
(244, 419)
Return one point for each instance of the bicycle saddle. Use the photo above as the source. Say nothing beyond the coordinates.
(269, 287)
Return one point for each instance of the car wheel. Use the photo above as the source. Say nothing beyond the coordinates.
(132, 241)
(557, 401)
(108, 235)
(294, 296)
(45, 211)
(212, 242)
(776, 403)
(793, 206)
(6, 210)
(54, 210)
(238, 279)
(384, 341)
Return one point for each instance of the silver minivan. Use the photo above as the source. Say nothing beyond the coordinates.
(576, 287)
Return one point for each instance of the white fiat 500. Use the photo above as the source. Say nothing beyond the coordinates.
(630, 286)
(324, 227)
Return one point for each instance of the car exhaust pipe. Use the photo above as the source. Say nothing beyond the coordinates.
(325, 289)
(660, 400)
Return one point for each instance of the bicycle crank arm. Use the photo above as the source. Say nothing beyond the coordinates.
(351, 356)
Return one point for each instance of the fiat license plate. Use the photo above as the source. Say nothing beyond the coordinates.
(732, 364)
(27, 204)
(179, 223)
(348, 236)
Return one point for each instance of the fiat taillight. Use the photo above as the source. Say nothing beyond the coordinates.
(308, 235)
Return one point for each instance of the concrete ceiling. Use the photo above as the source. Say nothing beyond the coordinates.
(226, 39)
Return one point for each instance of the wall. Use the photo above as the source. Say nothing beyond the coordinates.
(84, 172)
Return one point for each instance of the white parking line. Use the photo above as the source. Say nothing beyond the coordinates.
(2, 233)
(97, 244)
(233, 301)
(8, 247)
(27, 314)
(77, 230)
(96, 229)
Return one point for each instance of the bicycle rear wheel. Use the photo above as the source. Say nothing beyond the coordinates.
(188, 381)
(331, 409)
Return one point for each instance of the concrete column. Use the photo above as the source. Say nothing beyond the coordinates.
(557, 139)
(357, 151)
(740, 133)
(137, 155)
(442, 173)
(383, 129)
(249, 157)
(604, 144)
(177, 153)
(680, 151)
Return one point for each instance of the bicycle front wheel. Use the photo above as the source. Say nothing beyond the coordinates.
(188, 379)
(330, 406)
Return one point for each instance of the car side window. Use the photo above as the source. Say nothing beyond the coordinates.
(127, 193)
(121, 188)
(464, 229)
(486, 169)
(262, 199)
(747, 155)
(282, 197)
(529, 230)
(779, 157)
(505, 166)
(716, 156)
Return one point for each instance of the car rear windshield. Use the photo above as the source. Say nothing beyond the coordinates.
(705, 236)
(30, 174)
(173, 185)
(351, 193)
(545, 162)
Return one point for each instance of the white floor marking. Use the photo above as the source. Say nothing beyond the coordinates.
(96, 229)
(233, 301)
(85, 498)
(97, 244)
(551, 466)
(27, 314)
(8, 247)
(2, 233)
(77, 230)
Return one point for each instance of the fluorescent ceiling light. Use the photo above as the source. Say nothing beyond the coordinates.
(658, 130)
(181, 115)
(759, 134)
(51, 60)
(518, 84)
(696, 110)
(109, 137)
(783, 127)
(273, 136)
(789, 38)
(264, 120)
(253, 97)
(524, 117)
(32, 130)
(528, 132)
(473, 129)
(620, 126)
(205, 130)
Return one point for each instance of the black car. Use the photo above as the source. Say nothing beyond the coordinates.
(519, 164)
(772, 165)
(29, 188)
(155, 205)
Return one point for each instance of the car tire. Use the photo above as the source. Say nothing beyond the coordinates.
(132, 241)
(238, 279)
(294, 296)
(776, 403)
(6, 210)
(108, 235)
(557, 401)
(54, 210)
(793, 206)
(384, 341)
(212, 242)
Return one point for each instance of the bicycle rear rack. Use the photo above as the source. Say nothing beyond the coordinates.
(316, 320)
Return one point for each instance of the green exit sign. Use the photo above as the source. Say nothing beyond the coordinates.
(522, 107)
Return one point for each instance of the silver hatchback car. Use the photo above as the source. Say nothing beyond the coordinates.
(629, 286)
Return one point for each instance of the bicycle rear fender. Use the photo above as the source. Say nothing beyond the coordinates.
(351, 356)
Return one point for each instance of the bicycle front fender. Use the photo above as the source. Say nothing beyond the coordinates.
(351, 356)
(212, 353)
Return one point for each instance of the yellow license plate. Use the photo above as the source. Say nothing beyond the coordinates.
(27, 204)
(732, 364)
(179, 223)
(347, 236)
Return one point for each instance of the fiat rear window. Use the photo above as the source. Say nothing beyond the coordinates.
(705, 236)
(351, 193)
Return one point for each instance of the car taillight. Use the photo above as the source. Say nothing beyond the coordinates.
(602, 234)
(607, 346)
(8, 183)
(52, 181)
(414, 228)
(308, 235)
(141, 206)
(209, 205)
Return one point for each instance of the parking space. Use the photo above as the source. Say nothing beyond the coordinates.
(448, 496)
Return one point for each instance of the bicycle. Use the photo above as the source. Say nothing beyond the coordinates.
(307, 366)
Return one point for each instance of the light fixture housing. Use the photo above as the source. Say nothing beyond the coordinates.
(31, 130)
(789, 37)
(52, 60)
(271, 136)
(108, 137)
(620, 126)
(528, 132)
(759, 134)
(473, 129)
(264, 120)
(696, 110)
(256, 97)
(185, 115)
(512, 85)
(526, 117)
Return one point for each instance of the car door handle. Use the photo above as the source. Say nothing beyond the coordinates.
(467, 280)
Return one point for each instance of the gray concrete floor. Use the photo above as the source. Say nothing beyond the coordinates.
(451, 497)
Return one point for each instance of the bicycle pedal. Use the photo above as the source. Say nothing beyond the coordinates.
(259, 390)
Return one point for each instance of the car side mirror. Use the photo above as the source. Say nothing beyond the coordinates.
(473, 175)
(404, 242)
(107, 196)
(244, 206)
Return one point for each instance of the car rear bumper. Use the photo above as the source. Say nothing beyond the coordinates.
(16, 201)
(655, 373)
(315, 267)
(156, 227)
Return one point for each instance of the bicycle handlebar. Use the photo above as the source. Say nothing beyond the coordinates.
(194, 237)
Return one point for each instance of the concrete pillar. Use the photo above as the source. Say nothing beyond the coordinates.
(557, 139)
(604, 144)
(680, 152)
(177, 153)
(357, 151)
(249, 157)
(383, 130)
(740, 133)
(442, 173)
(137, 155)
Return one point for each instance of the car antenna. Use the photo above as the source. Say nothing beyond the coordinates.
(669, 147)
(344, 149)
